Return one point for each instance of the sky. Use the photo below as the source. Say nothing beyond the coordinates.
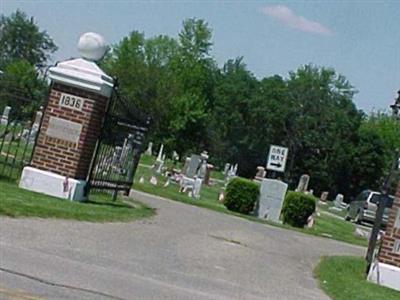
(359, 39)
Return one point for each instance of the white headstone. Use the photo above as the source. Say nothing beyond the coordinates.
(149, 150)
(338, 200)
(193, 166)
(160, 153)
(197, 188)
(272, 195)
(38, 118)
(5, 116)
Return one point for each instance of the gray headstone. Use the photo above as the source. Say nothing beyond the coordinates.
(5, 116)
(338, 200)
(272, 195)
(324, 196)
(303, 183)
(193, 166)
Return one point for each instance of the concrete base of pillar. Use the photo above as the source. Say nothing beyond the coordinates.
(385, 274)
(52, 184)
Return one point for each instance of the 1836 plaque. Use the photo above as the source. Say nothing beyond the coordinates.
(71, 101)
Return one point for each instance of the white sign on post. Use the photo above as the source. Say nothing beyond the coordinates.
(277, 158)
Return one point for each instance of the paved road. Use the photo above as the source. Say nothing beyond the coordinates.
(184, 252)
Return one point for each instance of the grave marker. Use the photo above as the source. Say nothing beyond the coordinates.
(272, 195)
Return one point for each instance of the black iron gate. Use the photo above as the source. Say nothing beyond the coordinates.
(20, 120)
(119, 148)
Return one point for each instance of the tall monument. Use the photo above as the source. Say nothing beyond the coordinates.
(71, 123)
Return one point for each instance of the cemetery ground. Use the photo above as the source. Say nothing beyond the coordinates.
(325, 225)
(16, 202)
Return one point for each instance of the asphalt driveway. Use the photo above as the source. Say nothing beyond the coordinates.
(184, 252)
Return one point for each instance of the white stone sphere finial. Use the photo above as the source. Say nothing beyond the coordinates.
(92, 46)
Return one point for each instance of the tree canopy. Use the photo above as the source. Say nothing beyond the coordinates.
(21, 38)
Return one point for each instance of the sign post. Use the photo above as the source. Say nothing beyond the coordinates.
(277, 158)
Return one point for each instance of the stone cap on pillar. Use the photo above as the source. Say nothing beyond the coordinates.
(84, 73)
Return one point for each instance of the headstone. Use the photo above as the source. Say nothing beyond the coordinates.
(141, 180)
(116, 155)
(159, 163)
(324, 196)
(126, 148)
(231, 173)
(260, 174)
(207, 177)
(338, 202)
(272, 195)
(303, 183)
(160, 153)
(149, 150)
(193, 166)
(226, 169)
(5, 116)
(175, 156)
(201, 173)
(186, 165)
(153, 180)
(197, 188)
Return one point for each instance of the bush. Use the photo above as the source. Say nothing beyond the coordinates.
(297, 208)
(241, 195)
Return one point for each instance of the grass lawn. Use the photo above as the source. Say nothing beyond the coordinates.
(325, 226)
(343, 278)
(16, 202)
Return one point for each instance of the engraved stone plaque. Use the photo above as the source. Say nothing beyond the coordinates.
(64, 130)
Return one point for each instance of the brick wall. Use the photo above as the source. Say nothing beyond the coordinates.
(392, 234)
(63, 157)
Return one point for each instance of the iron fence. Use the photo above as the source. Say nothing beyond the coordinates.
(119, 148)
(20, 120)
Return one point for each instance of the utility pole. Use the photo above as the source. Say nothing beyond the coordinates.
(384, 197)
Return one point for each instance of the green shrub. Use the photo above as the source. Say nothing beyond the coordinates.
(241, 195)
(297, 208)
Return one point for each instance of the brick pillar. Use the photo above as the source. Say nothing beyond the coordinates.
(390, 250)
(58, 154)
(71, 124)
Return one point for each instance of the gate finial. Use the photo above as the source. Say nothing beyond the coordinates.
(92, 46)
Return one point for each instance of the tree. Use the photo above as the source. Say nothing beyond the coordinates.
(387, 129)
(22, 88)
(21, 38)
(230, 117)
(367, 162)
